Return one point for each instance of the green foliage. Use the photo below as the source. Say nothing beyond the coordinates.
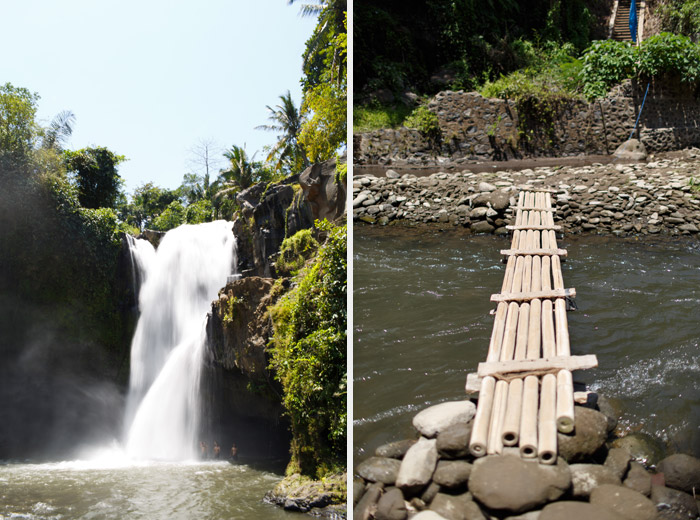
(230, 310)
(375, 117)
(425, 121)
(288, 154)
(295, 251)
(172, 217)
(607, 63)
(96, 176)
(341, 170)
(309, 357)
(199, 212)
(147, 203)
(18, 130)
(681, 17)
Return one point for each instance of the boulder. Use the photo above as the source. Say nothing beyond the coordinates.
(624, 501)
(590, 432)
(638, 479)
(530, 515)
(681, 472)
(512, 484)
(428, 515)
(366, 507)
(577, 511)
(673, 504)
(379, 469)
(643, 447)
(452, 474)
(453, 442)
(394, 450)
(587, 477)
(482, 227)
(391, 506)
(456, 507)
(618, 461)
(632, 150)
(417, 466)
(432, 420)
(485, 186)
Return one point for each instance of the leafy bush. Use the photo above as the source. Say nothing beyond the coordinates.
(309, 357)
(425, 121)
(172, 217)
(198, 212)
(667, 53)
(681, 17)
(375, 117)
(295, 251)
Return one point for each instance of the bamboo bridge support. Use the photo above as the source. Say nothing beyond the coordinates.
(525, 387)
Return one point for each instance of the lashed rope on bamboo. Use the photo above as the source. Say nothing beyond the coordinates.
(525, 387)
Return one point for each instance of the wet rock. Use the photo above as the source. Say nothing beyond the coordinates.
(607, 407)
(681, 472)
(577, 511)
(643, 448)
(418, 465)
(673, 504)
(430, 492)
(452, 474)
(512, 484)
(624, 501)
(586, 477)
(379, 469)
(391, 506)
(618, 461)
(432, 420)
(456, 508)
(482, 227)
(453, 442)
(358, 489)
(590, 432)
(394, 450)
(638, 479)
(365, 508)
(690, 228)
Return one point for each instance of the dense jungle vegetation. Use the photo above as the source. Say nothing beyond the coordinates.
(543, 51)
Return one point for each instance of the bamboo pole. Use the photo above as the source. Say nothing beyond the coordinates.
(508, 349)
(495, 441)
(511, 423)
(547, 431)
(482, 419)
(565, 384)
(528, 423)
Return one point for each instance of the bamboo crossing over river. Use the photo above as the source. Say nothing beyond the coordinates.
(525, 387)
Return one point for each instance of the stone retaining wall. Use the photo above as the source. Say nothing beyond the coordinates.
(478, 128)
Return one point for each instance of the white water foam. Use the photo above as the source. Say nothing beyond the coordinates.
(181, 279)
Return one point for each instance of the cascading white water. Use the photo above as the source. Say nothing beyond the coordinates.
(182, 278)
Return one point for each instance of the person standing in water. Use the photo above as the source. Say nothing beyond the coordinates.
(203, 450)
(234, 453)
(217, 450)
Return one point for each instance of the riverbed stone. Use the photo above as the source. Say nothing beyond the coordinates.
(379, 469)
(530, 515)
(394, 450)
(681, 472)
(459, 507)
(512, 484)
(485, 186)
(358, 489)
(673, 504)
(570, 510)
(590, 432)
(482, 227)
(643, 447)
(428, 515)
(391, 506)
(618, 460)
(417, 466)
(452, 474)
(587, 477)
(624, 501)
(432, 420)
(638, 479)
(365, 508)
(453, 442)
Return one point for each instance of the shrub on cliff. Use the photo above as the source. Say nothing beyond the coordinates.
(309, 357)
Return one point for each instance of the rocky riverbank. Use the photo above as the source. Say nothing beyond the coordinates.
(434, 476)
(660, 196)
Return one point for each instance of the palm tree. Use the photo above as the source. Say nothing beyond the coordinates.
(240, 174)
(58, 131)
(288, 151)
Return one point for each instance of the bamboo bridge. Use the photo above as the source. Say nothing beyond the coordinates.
(525, 387)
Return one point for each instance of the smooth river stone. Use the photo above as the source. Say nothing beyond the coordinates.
(432, 420)
(681, 472)
(577, 511)
(391, 506)
(513, 484)
(379, 469)
(453, 442)
(587, 477)
(590, 432)
(624, 501)
(418, 465)
(456, 507)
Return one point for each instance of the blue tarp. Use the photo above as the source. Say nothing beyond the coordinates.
(633, 21)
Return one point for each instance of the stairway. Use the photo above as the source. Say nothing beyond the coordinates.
(621, 29)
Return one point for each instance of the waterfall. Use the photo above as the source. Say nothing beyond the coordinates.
(181, 279)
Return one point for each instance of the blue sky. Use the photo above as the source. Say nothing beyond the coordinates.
(149, 79)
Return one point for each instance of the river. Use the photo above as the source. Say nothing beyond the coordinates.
(422, 323)
(107, 488)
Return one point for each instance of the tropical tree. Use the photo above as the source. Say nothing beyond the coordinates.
(288, 155)
(18, 130)
(95, 175)
(58, 131)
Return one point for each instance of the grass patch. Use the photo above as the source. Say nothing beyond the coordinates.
(376, 117)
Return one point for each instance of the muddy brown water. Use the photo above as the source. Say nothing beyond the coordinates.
(422, 323)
